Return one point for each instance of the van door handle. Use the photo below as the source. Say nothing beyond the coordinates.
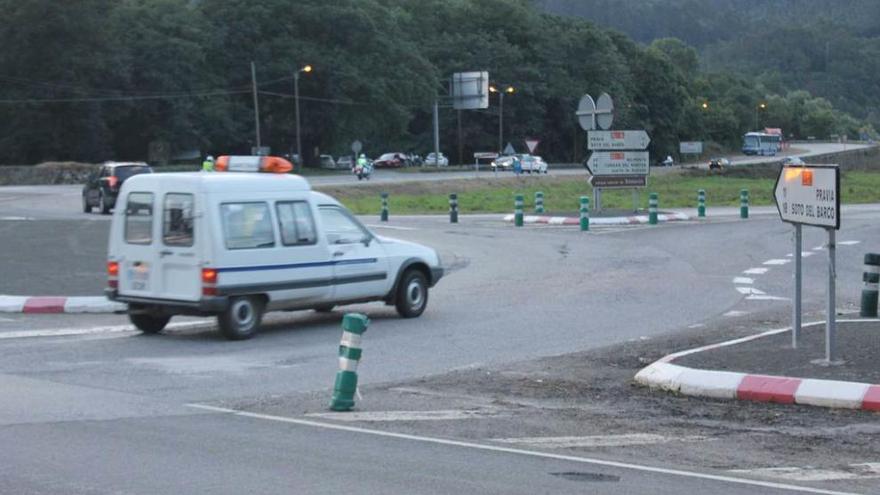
(338, 253)
(165, 253)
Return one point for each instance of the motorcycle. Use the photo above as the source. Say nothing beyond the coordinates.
(362, 172)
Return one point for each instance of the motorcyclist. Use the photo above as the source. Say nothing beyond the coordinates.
(362, 167)
(208, 164)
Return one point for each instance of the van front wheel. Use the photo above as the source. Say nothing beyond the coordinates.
(242, 318)
(149, 323)
(412, 294)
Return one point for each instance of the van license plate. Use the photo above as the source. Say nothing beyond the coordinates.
(139, 276)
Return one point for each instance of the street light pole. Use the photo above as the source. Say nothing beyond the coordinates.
(497, 89)
(307, 68)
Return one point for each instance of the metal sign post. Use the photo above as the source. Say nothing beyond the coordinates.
(810, 195)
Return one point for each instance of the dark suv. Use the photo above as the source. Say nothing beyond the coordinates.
(104, 184)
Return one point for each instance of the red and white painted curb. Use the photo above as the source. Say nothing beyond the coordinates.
(633, 220)
(50, 305)
(664, 375)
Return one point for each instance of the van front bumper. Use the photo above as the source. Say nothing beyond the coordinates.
(205, 306)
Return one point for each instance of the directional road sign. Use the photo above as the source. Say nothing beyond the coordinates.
(618, 181)
(618, 163)
(618, 140)
(809, 195)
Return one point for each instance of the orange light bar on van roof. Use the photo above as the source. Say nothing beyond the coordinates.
(268, 164)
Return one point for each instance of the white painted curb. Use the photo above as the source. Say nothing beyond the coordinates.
(95, 304)
(12, 304)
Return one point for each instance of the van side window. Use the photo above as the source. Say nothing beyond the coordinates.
(340, 227)
(177, 221)
(247, 225)
(296, 223)
(139, 218)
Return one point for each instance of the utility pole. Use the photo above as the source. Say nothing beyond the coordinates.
(436, 131)
(256, 102)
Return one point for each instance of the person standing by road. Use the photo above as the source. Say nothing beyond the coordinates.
(208, 164)
(517, 165)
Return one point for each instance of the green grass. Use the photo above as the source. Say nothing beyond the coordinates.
(561, 194)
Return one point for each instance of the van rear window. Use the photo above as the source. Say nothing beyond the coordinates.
(177, 225)
(139, 218)
(247, 225)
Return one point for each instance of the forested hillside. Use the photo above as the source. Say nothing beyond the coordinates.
(828, 48)
(104, 79)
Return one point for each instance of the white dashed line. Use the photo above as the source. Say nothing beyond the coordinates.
(777, 261)
(867, 470)
(805, 254)
(594, 441)
(848, 243)
(766, 297)
(389, 227)
(750, 291)
(734, 313)
(756, 271)
(743, 280)
(443, 415)
(66, 332)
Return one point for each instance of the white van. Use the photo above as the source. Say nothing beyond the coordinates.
(236, 245)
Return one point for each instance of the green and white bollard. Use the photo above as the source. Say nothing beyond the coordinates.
(453, 208)
(384, 215)
(701, 203)
(585, 213)
(539, 202)
(518, 210)
(353, 327)
(744, 203)
(652, 208)
(871, 277)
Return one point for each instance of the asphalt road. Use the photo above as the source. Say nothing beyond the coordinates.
(110, 411)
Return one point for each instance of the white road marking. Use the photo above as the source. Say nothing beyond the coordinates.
(530, 453)
(756, 271)
(17, 219)
(442, 415)
(697, 325)
(848, 243)
(743, 280)
(389, 227)
(819, 248)
(777, 262)
(594, 441)
(66, 332)
(804, 254)
(735, 313)
(766, 297)
(749, 291)
(868, 470)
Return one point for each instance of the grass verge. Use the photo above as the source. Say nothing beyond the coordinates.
(561, 194)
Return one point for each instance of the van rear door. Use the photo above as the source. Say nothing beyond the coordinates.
(178, 265)
(137, 254)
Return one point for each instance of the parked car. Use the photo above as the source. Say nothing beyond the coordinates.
(793, 160)
(346, 162)
(718, 163)
(327, 161)
(432, 159)
(533, 164)
(103, 185)
(391, 160)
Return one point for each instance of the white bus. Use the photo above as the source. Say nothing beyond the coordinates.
(761, 143)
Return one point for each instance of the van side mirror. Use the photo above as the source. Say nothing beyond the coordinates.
(367, 239)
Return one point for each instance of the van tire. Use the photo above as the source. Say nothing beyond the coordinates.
(242, 318)
(149, 324)
(86, 207)
(412, 294)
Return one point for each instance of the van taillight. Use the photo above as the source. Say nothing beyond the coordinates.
(209, 282)
(112, 274)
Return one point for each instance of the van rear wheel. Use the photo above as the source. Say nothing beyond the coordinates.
(148, 323)
(242, 318)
